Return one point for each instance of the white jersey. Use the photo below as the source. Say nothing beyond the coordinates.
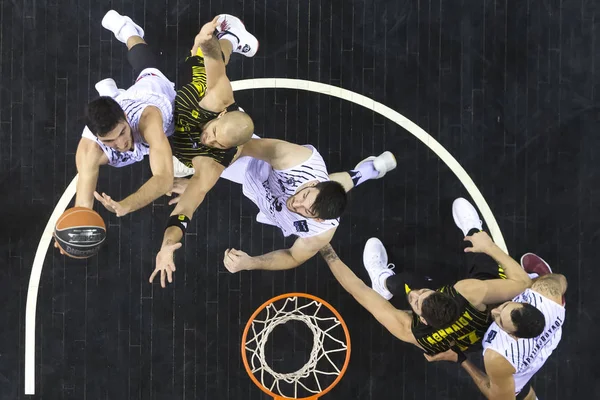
(528, 355)
(151, 88)
(269, 189)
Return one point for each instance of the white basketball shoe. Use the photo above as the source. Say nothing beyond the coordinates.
(465, 216)
(376, 263)
(122, 26)
(383, 163)
(247, 44)
(108, 87)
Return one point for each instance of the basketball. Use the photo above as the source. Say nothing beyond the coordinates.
(79, 232)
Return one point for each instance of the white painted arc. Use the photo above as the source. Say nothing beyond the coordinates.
(414, 129)
(264, 83)
(34, 284)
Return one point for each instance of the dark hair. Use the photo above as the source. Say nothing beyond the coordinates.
(439, 310)
(528, 320)
(102, 115)
(331, 200)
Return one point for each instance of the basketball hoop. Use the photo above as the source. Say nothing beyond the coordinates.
(329, 356)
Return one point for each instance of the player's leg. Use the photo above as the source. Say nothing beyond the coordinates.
(140, 56)
(370, 168)
(479, 265)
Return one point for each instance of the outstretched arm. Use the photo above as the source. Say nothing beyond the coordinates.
(302, 250)
(499, 383)
(495, 290)
(161, 162)
(207, 174)
(88, 158)
(219, 93)
(397, 322)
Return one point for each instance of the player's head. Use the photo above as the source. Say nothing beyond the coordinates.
(521, 320)
(228, 130)
(319, 200)
(436, 309)
(106, 119)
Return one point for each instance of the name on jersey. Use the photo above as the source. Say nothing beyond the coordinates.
(459, 324)
(542, 340)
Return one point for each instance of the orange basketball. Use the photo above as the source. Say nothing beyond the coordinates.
(79, 232)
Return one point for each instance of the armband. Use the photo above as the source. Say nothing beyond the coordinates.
(461, 357)
(180, 221)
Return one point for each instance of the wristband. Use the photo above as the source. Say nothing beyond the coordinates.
(461, 357)
(180, 221)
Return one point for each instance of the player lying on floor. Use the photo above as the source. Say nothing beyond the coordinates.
(454, 316)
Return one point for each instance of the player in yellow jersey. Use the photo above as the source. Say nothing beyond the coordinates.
(210, 128)
(454, 316)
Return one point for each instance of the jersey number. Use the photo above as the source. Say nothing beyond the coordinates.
(471, 336)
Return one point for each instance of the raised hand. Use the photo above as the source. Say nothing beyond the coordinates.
(111, 205)
(480, 242)
(165, 264)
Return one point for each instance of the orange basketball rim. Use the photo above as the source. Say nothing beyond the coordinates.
(324, 351)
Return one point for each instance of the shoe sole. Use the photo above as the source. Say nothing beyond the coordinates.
(535, 255)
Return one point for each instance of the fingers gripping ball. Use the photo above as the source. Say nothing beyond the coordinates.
(80, 232)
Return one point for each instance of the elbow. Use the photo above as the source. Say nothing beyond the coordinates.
(563, 282)
(294, 260)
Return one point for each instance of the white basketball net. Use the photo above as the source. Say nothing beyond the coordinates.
(260, 331)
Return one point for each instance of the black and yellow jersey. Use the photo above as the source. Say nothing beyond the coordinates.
(466, 332)
(190, 118)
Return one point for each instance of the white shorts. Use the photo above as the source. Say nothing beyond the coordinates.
(237, 171)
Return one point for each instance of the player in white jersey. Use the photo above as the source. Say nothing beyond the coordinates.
(124, 126)
(293, 191)
(523, 335)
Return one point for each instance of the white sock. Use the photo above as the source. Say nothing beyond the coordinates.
(533, 275)
(230, 38)
(127, 31)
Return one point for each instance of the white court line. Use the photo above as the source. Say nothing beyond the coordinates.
(265, 83)
(34, 284)
(434, 145)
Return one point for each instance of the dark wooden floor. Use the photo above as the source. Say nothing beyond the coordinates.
(510, 88)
